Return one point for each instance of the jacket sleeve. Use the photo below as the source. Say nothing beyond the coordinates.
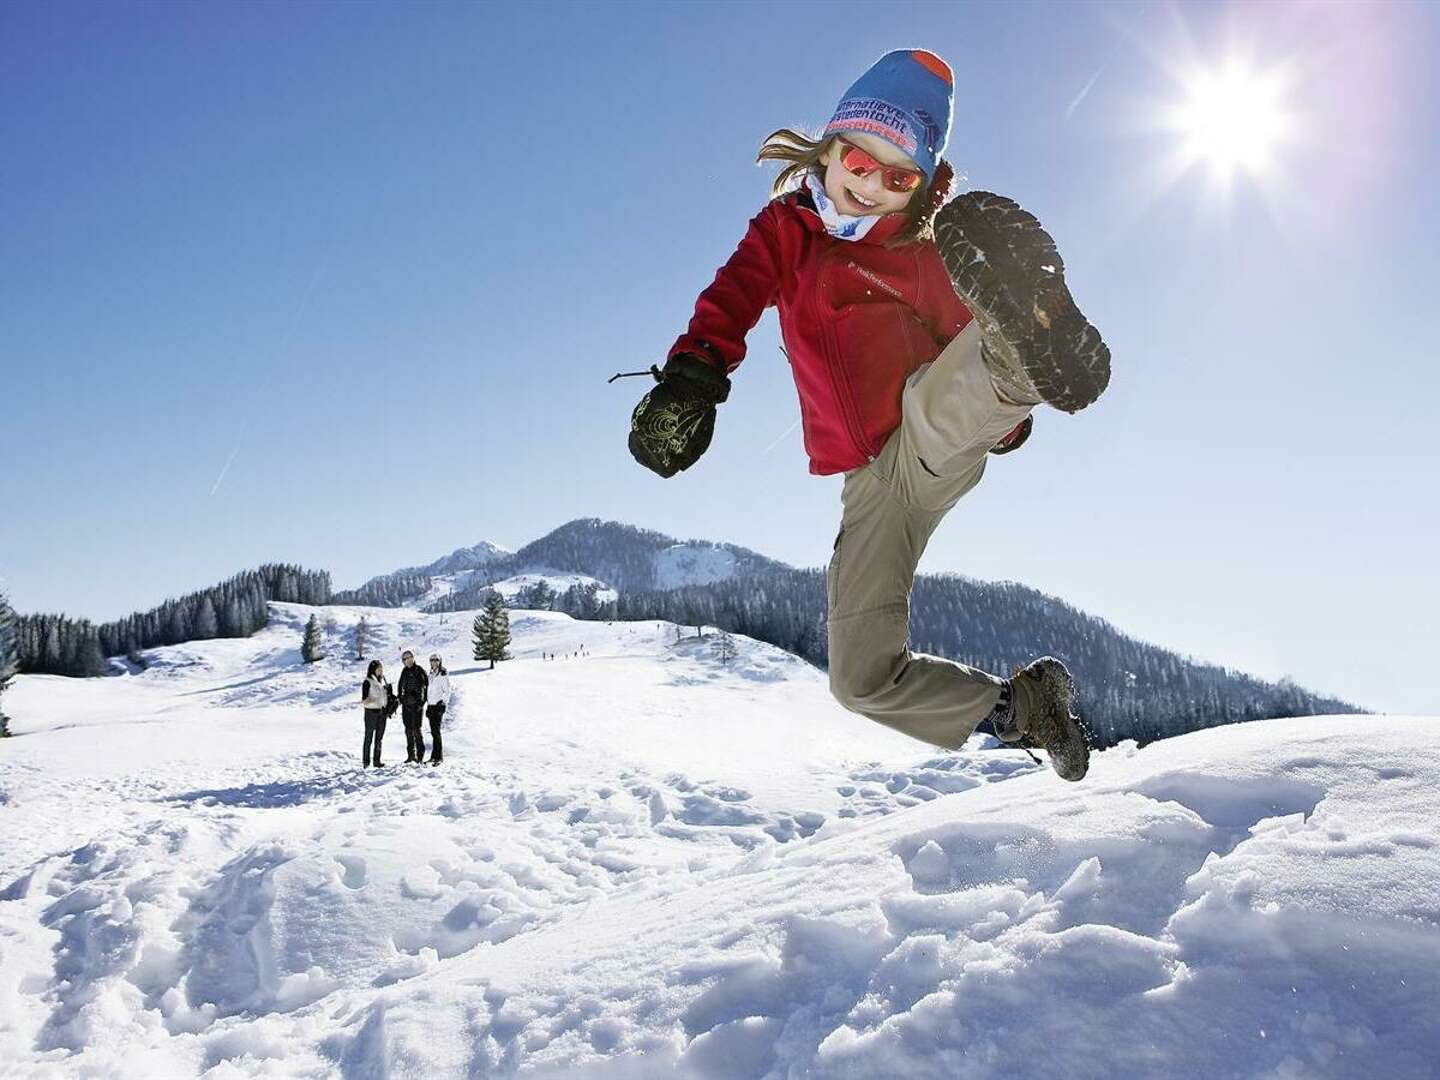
(365, 690)
(939, 307)
(732, 304)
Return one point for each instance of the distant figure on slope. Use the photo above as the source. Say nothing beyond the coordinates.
(437, 697)
(920, 339)
(377, 699)
(412, 688)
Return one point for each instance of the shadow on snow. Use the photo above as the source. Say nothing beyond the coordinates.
(281, 793)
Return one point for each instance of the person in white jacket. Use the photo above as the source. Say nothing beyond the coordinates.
(375, 697)
(436, 698)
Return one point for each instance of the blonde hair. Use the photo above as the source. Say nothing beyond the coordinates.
(802, 155)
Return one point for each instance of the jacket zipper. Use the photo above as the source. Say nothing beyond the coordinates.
(838, 381)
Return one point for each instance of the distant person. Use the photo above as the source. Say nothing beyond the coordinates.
(412, 690)
(437, 696)
(378, 700)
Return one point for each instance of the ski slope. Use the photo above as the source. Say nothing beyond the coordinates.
(639, 861)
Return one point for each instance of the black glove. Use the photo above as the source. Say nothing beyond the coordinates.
(673, 424)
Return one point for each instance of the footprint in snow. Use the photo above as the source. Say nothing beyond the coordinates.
(354, 871)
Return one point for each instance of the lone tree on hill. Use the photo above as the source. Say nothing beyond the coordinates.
(725, 647)
(8, 655)
(362, 638)
(313, 647)
(492, 630)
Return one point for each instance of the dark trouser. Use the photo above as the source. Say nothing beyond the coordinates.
(435, 713)
(374, 730)
(414, 737)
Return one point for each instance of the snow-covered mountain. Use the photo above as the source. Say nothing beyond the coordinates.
(618, 557)
(462, 559)
(640, 861)
(603, 570)
(422, 585)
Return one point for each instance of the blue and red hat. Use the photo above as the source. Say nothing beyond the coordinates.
(906, 99)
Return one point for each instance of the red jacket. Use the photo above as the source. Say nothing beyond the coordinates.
(857, 319)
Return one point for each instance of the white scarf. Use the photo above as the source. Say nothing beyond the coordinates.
(841, 226)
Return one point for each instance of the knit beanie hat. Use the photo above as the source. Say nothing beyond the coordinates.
(905, 98)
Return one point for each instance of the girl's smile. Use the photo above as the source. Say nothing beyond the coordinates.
(860, 196)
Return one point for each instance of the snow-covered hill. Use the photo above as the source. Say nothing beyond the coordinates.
(465, 558)
(640, 861)
(619, 557)
(693, 564)
(556, 581)
(509, 587)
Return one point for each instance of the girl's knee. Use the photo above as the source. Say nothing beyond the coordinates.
(859, 677)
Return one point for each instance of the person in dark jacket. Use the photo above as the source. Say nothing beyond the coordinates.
(375, 696)
(413, 688)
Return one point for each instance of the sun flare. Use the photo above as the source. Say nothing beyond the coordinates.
(1232, 120)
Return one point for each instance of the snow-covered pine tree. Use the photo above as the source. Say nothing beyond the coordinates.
(479, 635)
(362, 638)
(537, 597)
(313, 647)
(234, 620)
(9, 654)
(206, 624)
(492, 630)
(89, 657)
(177, 626)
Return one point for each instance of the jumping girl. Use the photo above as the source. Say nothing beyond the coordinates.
(921, 334)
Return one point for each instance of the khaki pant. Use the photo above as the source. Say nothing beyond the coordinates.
(951, 419)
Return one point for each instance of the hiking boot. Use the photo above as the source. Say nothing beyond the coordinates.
(1015, 438)
(1038, 346)
(1042, 712)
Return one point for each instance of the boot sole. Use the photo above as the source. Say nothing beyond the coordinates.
(1006, 268)
(1075, 739)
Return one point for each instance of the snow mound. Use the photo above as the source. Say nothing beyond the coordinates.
(646, 857)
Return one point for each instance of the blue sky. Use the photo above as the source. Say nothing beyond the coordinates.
(268, 267)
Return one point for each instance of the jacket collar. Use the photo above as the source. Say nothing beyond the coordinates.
(887, 228)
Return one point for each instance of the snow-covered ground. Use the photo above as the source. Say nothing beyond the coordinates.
(638, 861)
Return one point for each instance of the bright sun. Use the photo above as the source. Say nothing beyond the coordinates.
(1232, 119)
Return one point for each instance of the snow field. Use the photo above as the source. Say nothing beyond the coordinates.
(638, 861)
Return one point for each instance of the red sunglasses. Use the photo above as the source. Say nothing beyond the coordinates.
(858, 163)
